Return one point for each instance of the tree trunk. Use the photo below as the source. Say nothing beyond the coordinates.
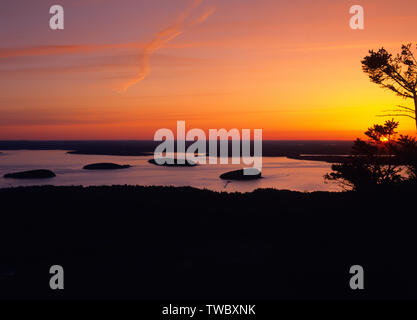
(415, 108)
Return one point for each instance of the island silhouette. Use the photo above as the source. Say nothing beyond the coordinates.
(105, 166)
(31, 174)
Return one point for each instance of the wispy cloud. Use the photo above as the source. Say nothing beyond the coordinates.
(120, 66)
(63, 49)
(163, 37)
(139, 66)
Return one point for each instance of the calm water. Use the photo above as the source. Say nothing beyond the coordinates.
(278, 172)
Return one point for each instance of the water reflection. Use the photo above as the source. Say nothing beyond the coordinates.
(278, 172)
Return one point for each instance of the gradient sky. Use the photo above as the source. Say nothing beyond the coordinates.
(123, 69)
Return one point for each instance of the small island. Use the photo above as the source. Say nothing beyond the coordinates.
(239, 175)
(105, 166)
(173, 163)
(31, 174)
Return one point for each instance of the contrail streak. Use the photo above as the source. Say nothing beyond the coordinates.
(164, 36)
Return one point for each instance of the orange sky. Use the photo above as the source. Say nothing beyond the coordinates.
(122, 71)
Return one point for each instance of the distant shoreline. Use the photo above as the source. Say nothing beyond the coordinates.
(322, 158)
(329, 151)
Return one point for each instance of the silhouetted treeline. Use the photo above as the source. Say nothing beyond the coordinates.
(384, 161)
(174, 243)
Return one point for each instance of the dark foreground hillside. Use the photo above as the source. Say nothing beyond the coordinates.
(175, 243)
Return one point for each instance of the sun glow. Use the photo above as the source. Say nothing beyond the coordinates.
(189, 62)
(384, 139)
